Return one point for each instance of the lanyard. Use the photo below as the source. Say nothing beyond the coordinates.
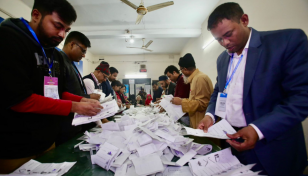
(229, 79)
(35, 37)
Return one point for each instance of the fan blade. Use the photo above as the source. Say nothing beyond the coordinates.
(159, 6)
(139, 18)
(148, 44)
(133, 47)
(147, 49)
(130, 4)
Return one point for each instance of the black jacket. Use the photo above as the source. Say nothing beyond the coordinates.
(22, 74)
(171, 89)
(73, 83)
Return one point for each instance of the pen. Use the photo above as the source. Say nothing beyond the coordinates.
(224, 131)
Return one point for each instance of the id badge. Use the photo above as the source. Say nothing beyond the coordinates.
(221, 102)
(51, 87)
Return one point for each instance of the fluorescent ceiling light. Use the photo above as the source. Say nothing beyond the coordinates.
(131, 39)
(136, 76)
(206, 45)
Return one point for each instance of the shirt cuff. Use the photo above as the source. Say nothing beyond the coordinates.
(260, 134)
(213, 118)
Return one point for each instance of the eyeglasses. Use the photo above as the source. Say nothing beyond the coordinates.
(82, 50)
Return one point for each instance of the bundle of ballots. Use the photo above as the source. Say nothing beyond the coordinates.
(145, 142)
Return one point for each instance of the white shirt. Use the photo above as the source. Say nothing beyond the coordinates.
(234, 105)
(89, 84)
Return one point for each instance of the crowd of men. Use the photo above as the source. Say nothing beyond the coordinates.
(261, 88)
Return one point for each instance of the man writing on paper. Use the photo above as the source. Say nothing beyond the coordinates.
(261, 91)
(30, 118)
(200, 93)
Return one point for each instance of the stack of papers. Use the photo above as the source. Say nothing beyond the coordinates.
(174, 111)
(33, 167)
(144, 142)
(220, 163)
(218, 130)
(110, 108)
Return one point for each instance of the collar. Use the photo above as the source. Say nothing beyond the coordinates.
(246, 46)
(95, 79)
(191, 77)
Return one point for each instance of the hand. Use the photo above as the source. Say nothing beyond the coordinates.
(176, 101)
(86, 108)
(95, 96)
(205, 123)
(249, 135)
(90, 101)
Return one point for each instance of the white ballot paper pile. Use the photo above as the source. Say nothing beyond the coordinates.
(110, 109)
(174, 111)
(144, 142)
(33, 167)
(221, 163)
(218, 130)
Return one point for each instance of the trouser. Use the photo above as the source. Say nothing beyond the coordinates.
(9, 165)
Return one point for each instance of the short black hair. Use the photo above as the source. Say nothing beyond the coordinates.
(113, 70)
(78, 37)
(63, 8)
(171, 69)
(123, 86)
(230, 10)
(154, 83)
(116, 83)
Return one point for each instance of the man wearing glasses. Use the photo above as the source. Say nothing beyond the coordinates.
(74, 49)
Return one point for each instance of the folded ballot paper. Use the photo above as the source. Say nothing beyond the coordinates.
(174, 111)
(144, 142)
(218, 130)
(110, 108)
(33, 167)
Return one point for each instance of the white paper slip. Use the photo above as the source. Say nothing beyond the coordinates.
(144, 139)
(147, 165)
(111, 126)
(241, 171)
(118, 162)
(33, 167)
(165, 135)
(188, 156)
(214, 163)
(121, 171)
(177, 171)
(218, 130)
(146, 150)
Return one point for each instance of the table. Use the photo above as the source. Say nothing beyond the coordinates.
(67, 152)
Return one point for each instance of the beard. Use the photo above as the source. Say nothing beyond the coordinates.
(185, 78)
(45, 40)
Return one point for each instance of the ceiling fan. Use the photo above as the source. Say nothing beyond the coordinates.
(141, 10)
(144, 47)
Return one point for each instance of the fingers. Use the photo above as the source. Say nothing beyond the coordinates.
(239, 146)
(234, 136)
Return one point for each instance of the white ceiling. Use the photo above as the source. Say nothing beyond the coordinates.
(104, 22)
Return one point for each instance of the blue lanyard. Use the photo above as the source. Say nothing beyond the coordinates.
(229, 79)
(35, 37)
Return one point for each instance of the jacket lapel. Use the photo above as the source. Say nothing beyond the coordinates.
(223, 73)
(252, 61)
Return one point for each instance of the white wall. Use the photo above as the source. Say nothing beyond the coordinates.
(156, 64)
(16, 8)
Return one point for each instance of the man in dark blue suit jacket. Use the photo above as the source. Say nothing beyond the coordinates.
(275, 92)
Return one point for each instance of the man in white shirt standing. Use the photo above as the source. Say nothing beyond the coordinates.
(261, 91)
